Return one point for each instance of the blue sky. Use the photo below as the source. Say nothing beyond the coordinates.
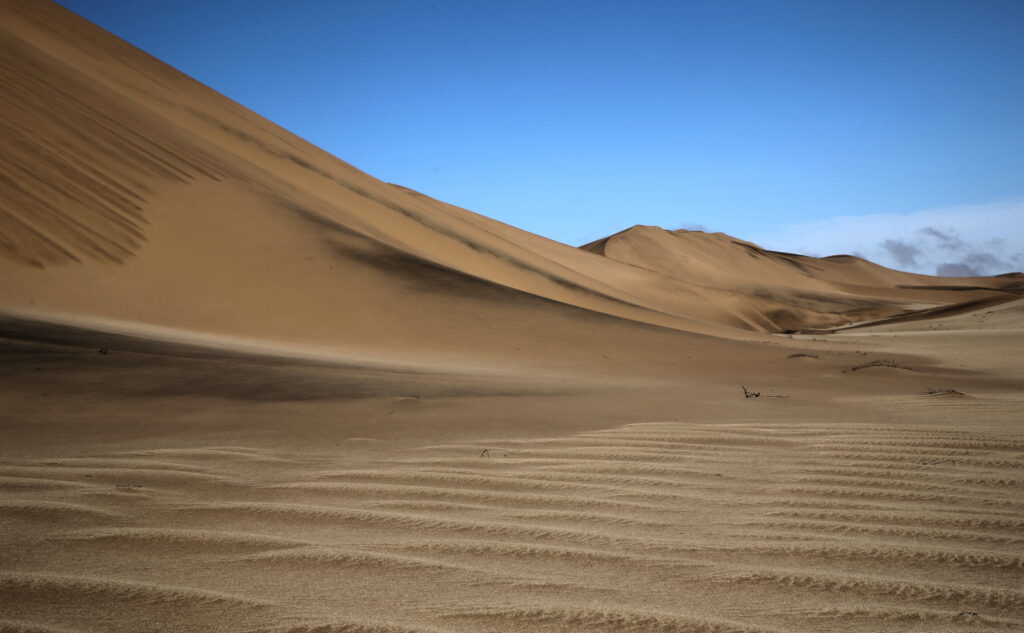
(818, 126)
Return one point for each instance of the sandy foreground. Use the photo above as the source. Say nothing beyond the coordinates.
(246, 387)
(481, 503)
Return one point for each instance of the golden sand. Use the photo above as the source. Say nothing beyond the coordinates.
(247, 387)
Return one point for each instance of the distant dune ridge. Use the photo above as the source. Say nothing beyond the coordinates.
(245, 386)
(798, 292)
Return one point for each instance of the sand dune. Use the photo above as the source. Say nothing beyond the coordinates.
(137, 194)
(797, 292)
(247, 387)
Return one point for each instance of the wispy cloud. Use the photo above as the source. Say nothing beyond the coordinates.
(905, 253)
(961, 241)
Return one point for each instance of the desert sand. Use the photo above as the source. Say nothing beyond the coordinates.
(247, 387)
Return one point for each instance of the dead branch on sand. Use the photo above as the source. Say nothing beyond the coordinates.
(757, 394)
(879, 363)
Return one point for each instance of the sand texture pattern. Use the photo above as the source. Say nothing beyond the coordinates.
(661, 526)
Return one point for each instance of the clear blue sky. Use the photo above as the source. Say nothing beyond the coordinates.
(578, 119)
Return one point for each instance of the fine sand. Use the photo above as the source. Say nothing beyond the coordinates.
(247, 387)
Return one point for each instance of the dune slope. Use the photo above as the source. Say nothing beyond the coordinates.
(133, 193)
(798, 292)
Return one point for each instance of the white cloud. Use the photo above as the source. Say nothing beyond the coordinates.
(986, 239)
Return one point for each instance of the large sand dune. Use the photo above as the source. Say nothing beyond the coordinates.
(135, 193)
(246, 387)
(797, 292)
